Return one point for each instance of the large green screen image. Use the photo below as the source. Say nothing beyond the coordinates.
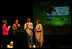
(62, 19)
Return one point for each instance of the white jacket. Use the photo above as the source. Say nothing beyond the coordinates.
(29, 28)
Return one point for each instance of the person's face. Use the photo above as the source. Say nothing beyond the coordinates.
(37, 22)
(11, 44)
(28, 20)
(16, 21)
(5, 23)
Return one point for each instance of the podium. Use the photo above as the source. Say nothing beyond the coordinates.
(21, 39)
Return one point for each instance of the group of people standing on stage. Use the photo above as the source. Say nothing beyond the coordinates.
(28, 27)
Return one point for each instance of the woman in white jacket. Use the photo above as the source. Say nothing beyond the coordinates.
(28, 27)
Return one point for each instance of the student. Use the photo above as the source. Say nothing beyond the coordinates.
(15, 26)
(39, 34)
(15, 37)
(5, 33)
(28, 27)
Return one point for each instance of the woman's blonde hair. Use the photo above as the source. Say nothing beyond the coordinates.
(4, 21)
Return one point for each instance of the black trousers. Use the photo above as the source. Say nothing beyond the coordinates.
(21, 40)
(37, 44)
(5, 40)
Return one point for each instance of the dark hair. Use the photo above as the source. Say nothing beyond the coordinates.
(16, 19)
(28, 18)
(39, 21)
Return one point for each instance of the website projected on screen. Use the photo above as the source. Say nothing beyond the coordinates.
(57, 11)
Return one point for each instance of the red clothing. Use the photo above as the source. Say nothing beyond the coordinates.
(5, 30)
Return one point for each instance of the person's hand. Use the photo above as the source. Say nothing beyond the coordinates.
(13, 32)
(9, 27)
(19, 25)
(35, 30)
(26, 24)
